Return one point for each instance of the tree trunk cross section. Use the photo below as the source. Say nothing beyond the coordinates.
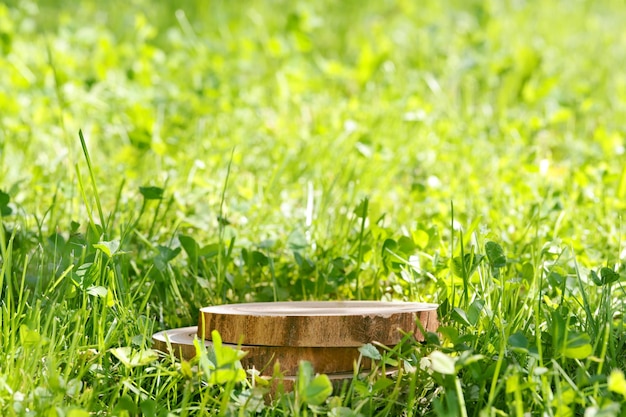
(317, 324)
(263, 358)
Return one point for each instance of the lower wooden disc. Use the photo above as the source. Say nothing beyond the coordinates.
(324, 360)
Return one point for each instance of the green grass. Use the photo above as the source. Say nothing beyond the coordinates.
(467, 153)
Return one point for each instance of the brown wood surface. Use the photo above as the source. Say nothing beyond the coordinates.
(317, 324)
(324, 360)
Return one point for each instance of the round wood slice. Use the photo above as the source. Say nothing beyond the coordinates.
(324, 360)
(317, 324)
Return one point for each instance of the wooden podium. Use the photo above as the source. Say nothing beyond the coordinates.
(325, 333)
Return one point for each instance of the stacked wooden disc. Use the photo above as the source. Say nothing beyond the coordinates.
(327, 334)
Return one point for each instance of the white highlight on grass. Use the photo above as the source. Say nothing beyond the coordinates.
(309, 204)
(544, 165)
(433, 181)
(22, 68)
(389, 67)
(414, 262)
(432, 83)
(350, 126)
(198, 165)
(415, 116)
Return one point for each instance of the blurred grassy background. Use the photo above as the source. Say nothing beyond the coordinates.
(511, 110)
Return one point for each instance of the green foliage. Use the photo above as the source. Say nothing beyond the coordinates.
(312, 389)
(158, 157)
(5, 198)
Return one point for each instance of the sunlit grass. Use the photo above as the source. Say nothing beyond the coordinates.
(465, 153)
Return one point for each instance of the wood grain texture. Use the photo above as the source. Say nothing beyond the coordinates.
(317, 324)
(324, 360)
